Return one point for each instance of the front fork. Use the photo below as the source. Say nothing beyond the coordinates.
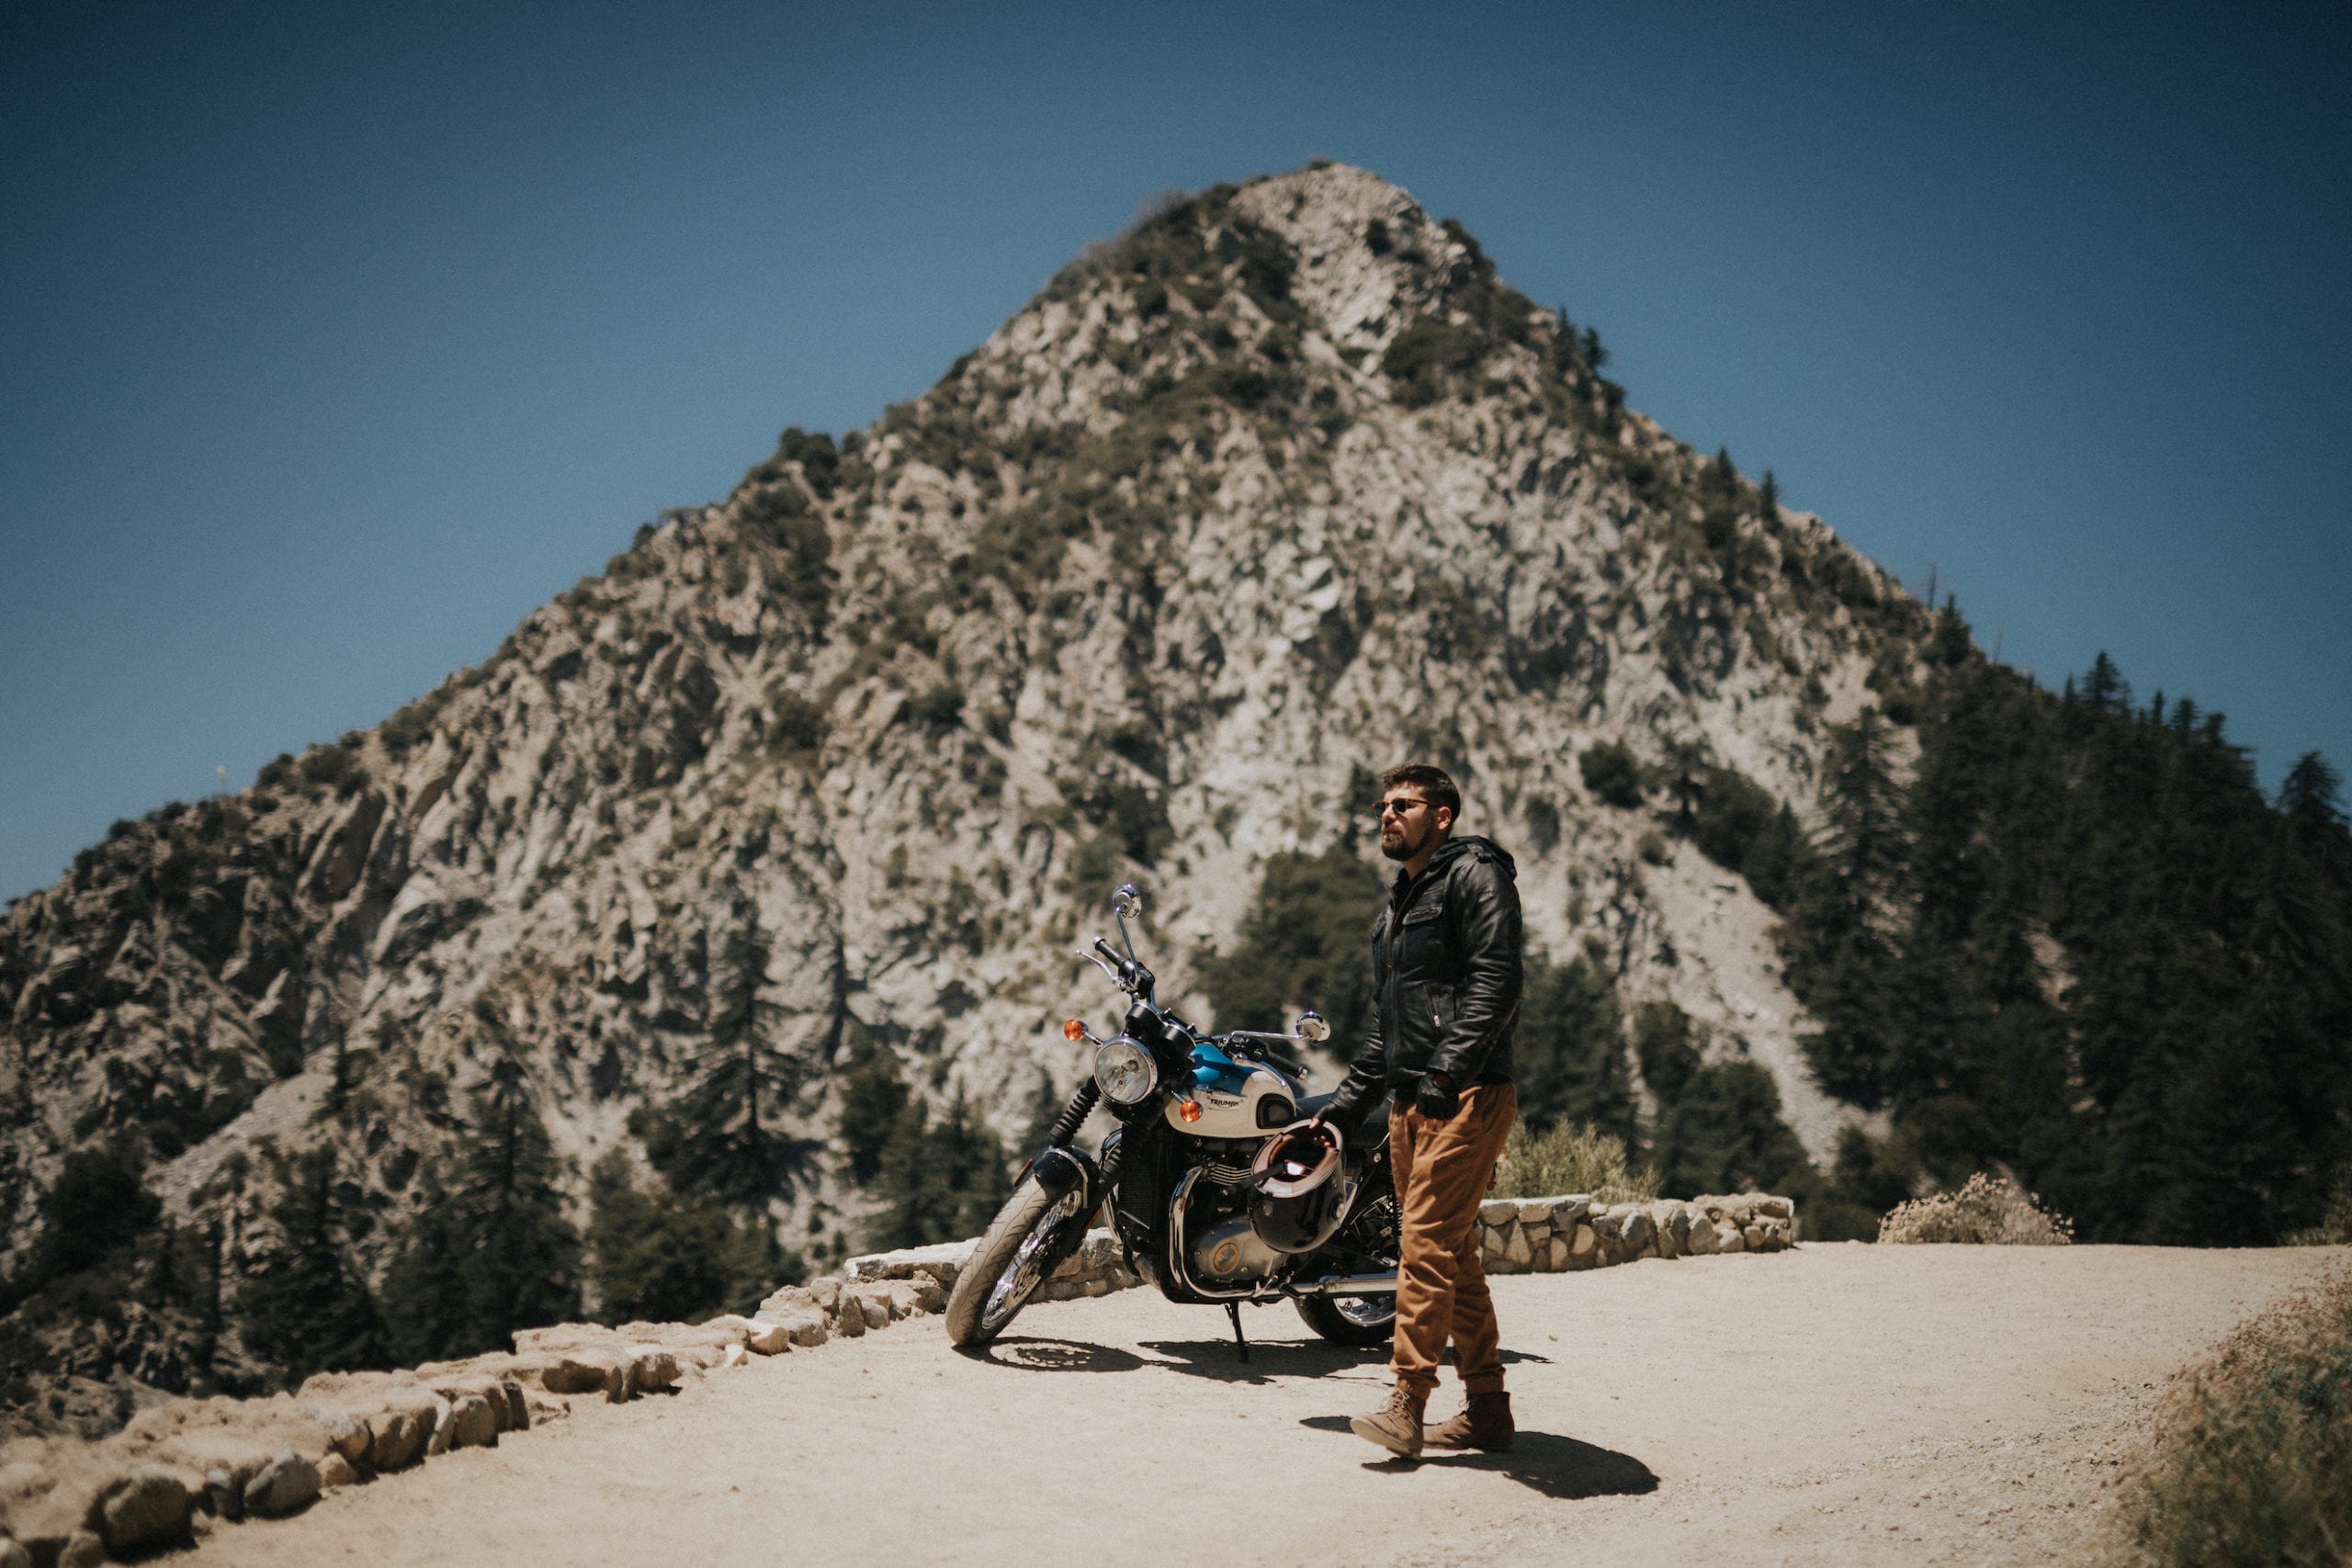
(1062, 1168)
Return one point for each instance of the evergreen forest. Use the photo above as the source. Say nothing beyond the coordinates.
(2062, 935)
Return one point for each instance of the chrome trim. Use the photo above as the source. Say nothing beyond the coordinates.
(1179, 1267)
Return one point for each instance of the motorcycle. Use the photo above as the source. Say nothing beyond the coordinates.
(1202, 1208)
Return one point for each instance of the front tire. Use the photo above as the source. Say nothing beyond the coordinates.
(1357, 1322)
(1012, 1259)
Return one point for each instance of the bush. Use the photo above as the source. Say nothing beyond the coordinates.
(1423, 358)
(1733, 813)
(2253, 1460)
(331, 767)
(941, 708)
(1576, 1157)
(2334, 1227)
(1610, 772)
(1989, 1210)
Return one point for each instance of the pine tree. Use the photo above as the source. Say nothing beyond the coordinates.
(874, 1097)
(1303, 942)
(725, 1134)
(1569, 1054)
(494, 1252)
(655, 1258)
(524, 1270)
(308, 1308)
(938, 1183)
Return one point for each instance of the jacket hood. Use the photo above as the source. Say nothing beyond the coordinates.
(1472, 844)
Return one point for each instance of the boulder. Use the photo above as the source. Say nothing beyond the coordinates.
(516, 1417)
(765, 1337)
(736, 1357)
(335, 1470)
(802, 1326)
(1584, 1243)
(347, 1436)
(1531, 1211)
(143, 1510)
(83, 1548)
(1702, 1240)
(14, 1556)
(473, 1421)
(1557, 1255)
(583, 1371)
(1497, 1212)
(286, 1482)
(1519, 1254)
(401, 1430)
(652, 1369)
(939, 1264)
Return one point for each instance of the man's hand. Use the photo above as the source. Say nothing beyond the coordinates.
(1437, 1098)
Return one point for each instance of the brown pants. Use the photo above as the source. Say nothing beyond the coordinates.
(1443, 1169)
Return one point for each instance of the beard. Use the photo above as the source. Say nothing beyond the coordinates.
(1402, 847)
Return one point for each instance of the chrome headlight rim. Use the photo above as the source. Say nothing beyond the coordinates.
(1126, 1071)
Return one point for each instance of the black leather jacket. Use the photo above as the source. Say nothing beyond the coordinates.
(1445, 975)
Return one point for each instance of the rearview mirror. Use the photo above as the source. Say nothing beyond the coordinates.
(1312, 1028)
(1126, 903)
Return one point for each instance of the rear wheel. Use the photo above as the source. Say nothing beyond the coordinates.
(1366, 1244)
(1360, 1321)
(1021, 1246)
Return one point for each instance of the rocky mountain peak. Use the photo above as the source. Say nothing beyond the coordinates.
(1280, 486)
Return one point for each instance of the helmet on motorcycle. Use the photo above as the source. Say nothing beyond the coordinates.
(1295, 1191)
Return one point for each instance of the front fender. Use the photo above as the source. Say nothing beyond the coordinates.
(1062, 1170)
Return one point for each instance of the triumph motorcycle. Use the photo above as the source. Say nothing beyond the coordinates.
(1221, 1185)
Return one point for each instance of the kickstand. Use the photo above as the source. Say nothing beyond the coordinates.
(1233, 1311)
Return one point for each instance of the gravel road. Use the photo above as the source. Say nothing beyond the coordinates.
(1837, 1403)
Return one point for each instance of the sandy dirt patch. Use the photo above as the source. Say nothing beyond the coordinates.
(1836, 1404)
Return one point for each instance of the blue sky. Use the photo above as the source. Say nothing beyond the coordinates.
(335, 339)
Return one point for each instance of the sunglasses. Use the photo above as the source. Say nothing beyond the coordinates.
(1399, 807)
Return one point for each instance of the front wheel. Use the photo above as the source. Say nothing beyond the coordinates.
(1012, 1259)
(1359, 1322)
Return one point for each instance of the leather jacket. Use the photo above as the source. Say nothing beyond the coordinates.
(1446, 977)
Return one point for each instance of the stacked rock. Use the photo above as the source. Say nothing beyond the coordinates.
(1550, 1235)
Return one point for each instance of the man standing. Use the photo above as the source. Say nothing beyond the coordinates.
(1445, 970)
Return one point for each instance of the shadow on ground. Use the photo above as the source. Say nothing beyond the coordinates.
(1275, 1358)
(1054, 1356)
(1560, 1468)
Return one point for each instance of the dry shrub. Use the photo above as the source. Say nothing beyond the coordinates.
(1988, 1209)
(1571, 1158)
(2251, 1461)
(2334, 1227)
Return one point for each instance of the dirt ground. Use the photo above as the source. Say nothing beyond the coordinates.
(1838, 1404)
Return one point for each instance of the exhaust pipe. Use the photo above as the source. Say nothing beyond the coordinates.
(1347, 1285)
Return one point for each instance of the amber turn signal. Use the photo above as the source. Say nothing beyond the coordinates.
(1074, 1029)
(1189, 1109)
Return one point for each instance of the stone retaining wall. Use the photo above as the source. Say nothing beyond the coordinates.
(184, 1468)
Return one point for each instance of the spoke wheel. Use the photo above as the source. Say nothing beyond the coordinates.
(1022, 1247)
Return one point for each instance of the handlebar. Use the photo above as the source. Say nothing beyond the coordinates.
(1125, 973)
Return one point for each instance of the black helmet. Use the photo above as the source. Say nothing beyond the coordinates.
(1295, 1191)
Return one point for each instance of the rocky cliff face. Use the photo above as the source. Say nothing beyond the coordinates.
(1280, 486)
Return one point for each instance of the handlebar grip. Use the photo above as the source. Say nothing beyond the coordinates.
(1107, 950)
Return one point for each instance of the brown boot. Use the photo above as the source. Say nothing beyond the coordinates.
(1396, 1425)
(1484, 1423)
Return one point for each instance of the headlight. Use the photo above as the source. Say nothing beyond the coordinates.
(1126, 1071)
